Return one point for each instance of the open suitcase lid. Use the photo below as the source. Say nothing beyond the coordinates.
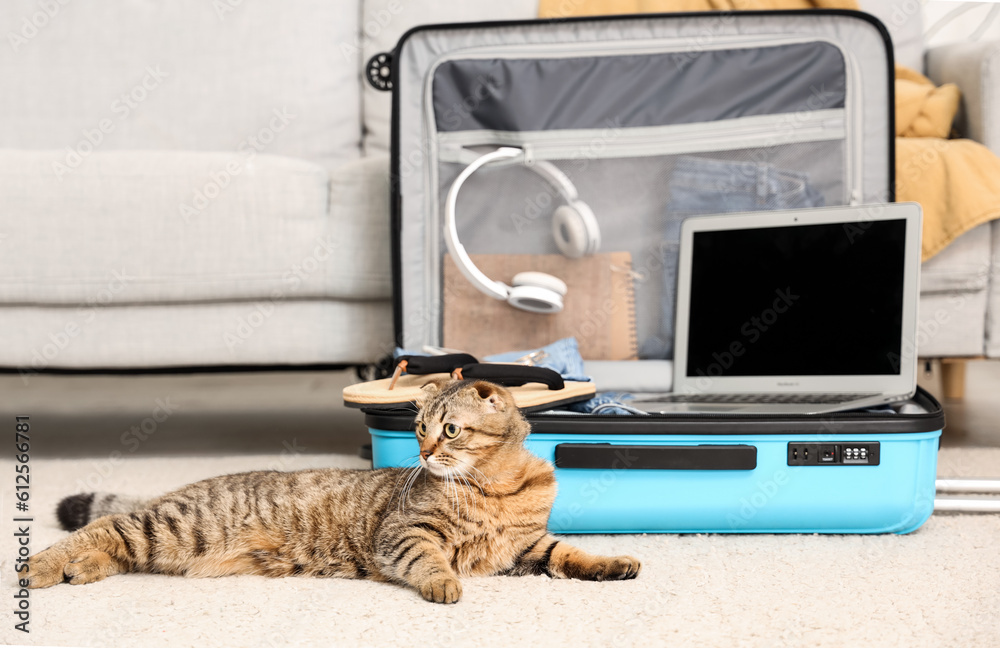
(615, 103)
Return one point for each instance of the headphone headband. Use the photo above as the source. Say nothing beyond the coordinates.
(556, 178)
(537, 298)
(496, 289)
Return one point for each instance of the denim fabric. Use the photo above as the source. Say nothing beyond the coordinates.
(707, 186)
(606, 403)
(562, 356)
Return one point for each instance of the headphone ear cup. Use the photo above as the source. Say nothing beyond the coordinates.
(540, 280)
(575, 230)
(569, 231)
(590, 222)
(537, 292)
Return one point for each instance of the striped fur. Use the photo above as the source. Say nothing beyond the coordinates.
(77, 511)
(477, 504)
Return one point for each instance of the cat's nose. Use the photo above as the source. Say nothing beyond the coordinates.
(425, 453)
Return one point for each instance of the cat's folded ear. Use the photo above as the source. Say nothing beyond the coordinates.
(492, 395)
(431, 389)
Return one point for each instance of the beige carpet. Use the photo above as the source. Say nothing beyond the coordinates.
(939, 586)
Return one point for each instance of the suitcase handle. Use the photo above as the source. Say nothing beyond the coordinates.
(605, 456)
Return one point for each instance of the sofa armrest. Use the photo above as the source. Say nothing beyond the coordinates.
(975, 69)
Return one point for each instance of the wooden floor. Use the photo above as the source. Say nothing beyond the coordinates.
(262, 413)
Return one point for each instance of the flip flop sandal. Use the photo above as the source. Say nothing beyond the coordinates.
(533, 388)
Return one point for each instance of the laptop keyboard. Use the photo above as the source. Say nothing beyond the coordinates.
(761, 398)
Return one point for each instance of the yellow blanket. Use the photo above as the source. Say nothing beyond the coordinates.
(957, 182)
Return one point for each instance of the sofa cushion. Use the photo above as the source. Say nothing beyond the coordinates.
(143, 227)
(172, 335)
(993, 315)
(963, 266)
(950, 324)
(181, 75)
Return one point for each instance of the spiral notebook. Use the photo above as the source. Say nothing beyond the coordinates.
(599, 307)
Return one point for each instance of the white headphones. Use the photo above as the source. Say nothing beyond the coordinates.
(574, 227)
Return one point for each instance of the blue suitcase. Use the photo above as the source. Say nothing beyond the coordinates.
(852, 472)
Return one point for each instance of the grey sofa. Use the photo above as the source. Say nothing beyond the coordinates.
(206, 184)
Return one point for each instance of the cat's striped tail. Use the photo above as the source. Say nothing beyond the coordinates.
(79, 510)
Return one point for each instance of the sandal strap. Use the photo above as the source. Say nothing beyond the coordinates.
(510, 375)
(463, 366)
(435, 364)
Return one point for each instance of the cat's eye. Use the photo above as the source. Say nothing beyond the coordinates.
(421, 430)
(451, 430)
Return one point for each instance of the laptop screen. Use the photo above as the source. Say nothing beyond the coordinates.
(806, 300)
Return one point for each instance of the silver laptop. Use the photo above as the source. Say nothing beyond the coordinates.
(799, 311)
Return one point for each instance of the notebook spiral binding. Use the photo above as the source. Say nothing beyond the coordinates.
(633, 333)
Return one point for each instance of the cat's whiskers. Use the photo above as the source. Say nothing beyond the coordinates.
(465, 480)
(448, 489)
(405, 477)
(407, 484)
(455, 489)
(458, 486)
(408, 487)
(405, 474)
(470, 479)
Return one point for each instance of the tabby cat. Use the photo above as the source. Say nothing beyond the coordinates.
(476, 505)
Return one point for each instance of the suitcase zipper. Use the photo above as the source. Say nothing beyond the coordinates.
(854, 170)
(741, 133)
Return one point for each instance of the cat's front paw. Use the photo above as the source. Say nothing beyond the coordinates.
(616, 568)
(45, 569)
(89, 567)
(441, 589)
